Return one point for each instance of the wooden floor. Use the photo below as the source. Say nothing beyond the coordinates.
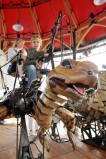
(58, 150)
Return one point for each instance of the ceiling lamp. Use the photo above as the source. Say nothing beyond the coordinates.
(99, 2)
(18, 27)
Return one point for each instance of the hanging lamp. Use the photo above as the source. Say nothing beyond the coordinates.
(99, 2)
(18, 27)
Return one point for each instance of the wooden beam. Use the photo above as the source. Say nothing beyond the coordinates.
(44, 46)
(100, 17)
(89, 25)
(84, 34)
(57, 36)
(37, 21)
(33, 19)
(2, 19)
(80, 37)
(58, 39)
(102, 24)
(71, 14)
(0, 23)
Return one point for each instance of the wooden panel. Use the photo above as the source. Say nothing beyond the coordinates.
(58, 150)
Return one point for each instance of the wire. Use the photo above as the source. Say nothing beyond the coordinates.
(10, 61)
(36, 147)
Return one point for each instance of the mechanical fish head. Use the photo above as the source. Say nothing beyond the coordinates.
(79, 75)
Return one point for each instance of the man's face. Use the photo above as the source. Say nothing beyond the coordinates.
(20, 45)
(36, 44)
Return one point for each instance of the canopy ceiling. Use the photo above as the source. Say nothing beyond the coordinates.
(80, 22)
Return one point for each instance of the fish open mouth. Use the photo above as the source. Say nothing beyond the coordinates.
(80, 88)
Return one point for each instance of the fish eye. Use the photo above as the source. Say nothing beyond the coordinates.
(90, 72)
(66, 64)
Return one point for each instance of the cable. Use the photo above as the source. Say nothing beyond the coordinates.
(36, 147)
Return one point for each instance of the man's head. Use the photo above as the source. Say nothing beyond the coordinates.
(19, 43)
(36, 42)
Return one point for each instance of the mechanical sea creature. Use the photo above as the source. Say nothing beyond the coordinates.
(70, 80)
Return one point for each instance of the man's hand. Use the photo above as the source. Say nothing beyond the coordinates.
(46, 55)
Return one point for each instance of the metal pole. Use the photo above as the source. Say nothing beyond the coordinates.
(24, 147)
(74, 47)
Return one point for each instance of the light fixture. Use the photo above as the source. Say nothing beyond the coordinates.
(99, 2)
(18, 27)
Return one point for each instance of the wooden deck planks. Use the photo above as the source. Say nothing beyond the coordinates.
(58, 150)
